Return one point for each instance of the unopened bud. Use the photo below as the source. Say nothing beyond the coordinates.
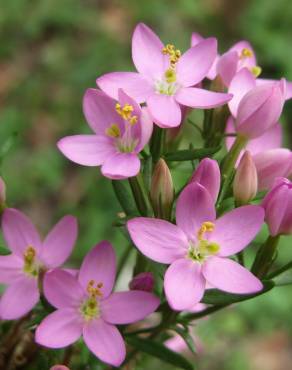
(59, 367)
(162, 191)
(143, 281)
(245, 183)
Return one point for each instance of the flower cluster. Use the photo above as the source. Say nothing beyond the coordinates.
(200, 232)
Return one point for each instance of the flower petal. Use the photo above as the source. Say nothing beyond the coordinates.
(128, 307)
(227, 66)
(99, 265)
(237, 228)
(19, 232)
(132, 83)
(59, 329)
(146, 128)
(194, 206)
(10, 268)
(62, 289)
(158, 239)
(121, 166)
(19, 298)
(87, 150)
(105, 341)
(200, 98)
(195, 63)
(184, 284)
(230, 276)
(147, 52)
(59, 243)
(249, 61)
(164, 110)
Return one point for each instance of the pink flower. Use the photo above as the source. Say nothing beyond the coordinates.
(278, 207)
(165, 78)
(59, 367)
(121, 130)
(143, 281)
(196, 248)
(30, 258)
(86, 306)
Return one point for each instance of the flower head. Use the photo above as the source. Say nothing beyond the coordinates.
(143, 281)
(197, 246)
(24, 268)
(86, 306)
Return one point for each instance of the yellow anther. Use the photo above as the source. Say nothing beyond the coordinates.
(113, 131)
(246, 53)
(256, 70)
(29, 255)
(170, 75)
(174, 54)
(133, 120)
(205, 227)
(94, 291)
(126, 113)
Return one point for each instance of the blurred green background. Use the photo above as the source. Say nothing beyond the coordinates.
(50, 52)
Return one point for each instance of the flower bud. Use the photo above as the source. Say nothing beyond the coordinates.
(162, 191)
(59, 367)
(208, 175)
(245, 184)
(260, 109)
(143, 281)
(278, 207)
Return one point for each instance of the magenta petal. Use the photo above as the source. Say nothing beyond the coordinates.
(62, 289)
(147, 52)
(229, 276)
(200, 98)
(19, 298)
(59, 243)
(158, 239)
(19, 232)
(227, 66)
(121, 166)
(87, 150)
(237, 228)
(241, 84)
(132, 83)
(60, 329)
(128, 307)
(194, 206)
(164, 110)
(99, 265)
(195, 63)
(105, 341)
(10, 268)
(184, 284)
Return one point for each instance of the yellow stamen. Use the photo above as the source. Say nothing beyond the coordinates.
(113, 131)
(94, 291)
(126, 113)
(246, 53)
(174, 54)
(170, 75)
(29, 255)
(256, 70)
(206, 227)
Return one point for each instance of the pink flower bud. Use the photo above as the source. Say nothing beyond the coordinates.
(245, 184)
(59, 367)
(2, 192)
(162, 191)
(260, 109)
(278, 207)
(143, 281)
(208, 175)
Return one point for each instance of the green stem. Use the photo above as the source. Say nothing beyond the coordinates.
(157, 143)
(140, 194)
(198, 315)
(265, 256)
(279, 271)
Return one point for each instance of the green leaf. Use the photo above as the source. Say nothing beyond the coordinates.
(184, 333)
(217, 297)
(124, 196)
(284, 279)
(161, 352)
(190, 155)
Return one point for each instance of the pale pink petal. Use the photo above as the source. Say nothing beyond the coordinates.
(132, 83)
(99, 265)
(195, 63)
(121, 166)
(244, 61)
(158, 239)
(10, 268)
(19, 232)
(147, 52)
(264, 81)
(184, 284)
(229, 276)
(146, 128)
(99, 110)
(165, 111)
(128, 307)
(237, 228)
(19, 298)
(241, 83)
(200, 98)
(194, 206)
(196, 38)
(288, 90)
(59, 243)
(60, 329)
(105, 341)
(227, 66)
(87, 150)
(62, 289)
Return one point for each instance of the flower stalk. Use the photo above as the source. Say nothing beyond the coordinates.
(265, 256)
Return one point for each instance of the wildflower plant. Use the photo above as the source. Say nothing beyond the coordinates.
(189, 241)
